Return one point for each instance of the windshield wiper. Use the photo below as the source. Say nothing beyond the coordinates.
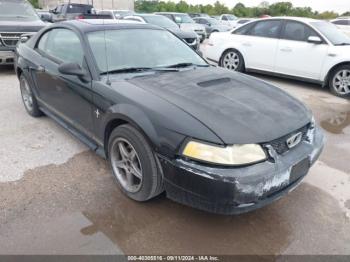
(136, 70)
(179, 65)
(342, 44)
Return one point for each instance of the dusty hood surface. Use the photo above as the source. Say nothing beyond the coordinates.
(238, 108)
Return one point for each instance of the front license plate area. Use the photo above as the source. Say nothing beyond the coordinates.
(300, 169)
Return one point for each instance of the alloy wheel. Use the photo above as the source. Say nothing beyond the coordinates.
(126, 165)
(27, 95)
(231, 61)
(341, 82)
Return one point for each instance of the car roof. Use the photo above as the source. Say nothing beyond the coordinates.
(91, 25)
(300, 19)
(144, 15)
(174, 13)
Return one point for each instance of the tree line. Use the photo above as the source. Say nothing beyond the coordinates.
(240, 10)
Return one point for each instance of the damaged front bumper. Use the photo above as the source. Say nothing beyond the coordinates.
(240, 189)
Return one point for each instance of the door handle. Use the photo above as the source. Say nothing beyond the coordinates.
(286, 49)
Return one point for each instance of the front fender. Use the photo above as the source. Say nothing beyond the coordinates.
(134, 115)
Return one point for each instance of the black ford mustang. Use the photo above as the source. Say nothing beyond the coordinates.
(167, 121)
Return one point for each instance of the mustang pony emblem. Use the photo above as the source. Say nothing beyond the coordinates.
(294, 140)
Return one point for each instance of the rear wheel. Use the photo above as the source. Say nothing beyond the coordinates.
(339, 81)
(133, 164)
(232, 60)
(28, 98)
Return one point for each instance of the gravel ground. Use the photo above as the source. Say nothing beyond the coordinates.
(57, 197)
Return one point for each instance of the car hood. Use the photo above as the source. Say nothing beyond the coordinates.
(183, 34)
(239, 109)
(21, 26)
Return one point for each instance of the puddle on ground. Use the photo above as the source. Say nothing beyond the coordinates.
(76, 208)
(337, 123)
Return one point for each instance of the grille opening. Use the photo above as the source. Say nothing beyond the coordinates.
(9, 60)
(280, 144)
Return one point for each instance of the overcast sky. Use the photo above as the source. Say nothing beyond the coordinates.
(340, 6)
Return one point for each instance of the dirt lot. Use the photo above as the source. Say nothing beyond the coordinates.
(57, 197)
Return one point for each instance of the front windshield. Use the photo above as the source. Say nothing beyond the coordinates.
(332, 33)
(183, 18)
(120, 49)
(160, 20)
(17, 10)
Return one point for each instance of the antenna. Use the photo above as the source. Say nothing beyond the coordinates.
(108, 82)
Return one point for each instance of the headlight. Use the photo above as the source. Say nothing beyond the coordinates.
(230, 155)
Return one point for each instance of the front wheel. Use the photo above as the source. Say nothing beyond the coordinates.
(133, 164)
(28, 98)
(232, 60)
(339, 81)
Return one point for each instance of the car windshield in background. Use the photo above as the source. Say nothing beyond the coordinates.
(182, 18)
(17, 10)
(231, 17)
(122, 13)
(212, 21)
(332, 33)
(161, 21)
(122, 50)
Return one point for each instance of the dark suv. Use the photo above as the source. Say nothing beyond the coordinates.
(17, 17)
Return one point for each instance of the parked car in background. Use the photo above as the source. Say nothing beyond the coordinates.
(164, 119)
(343, 23)
(70, 11)
(44, 15)
(116, 14)
(242, 21)
(193, 15)
(186, 23)
(228, 19)
(211, 25)
(17, 18)
(299, 48)
(191, 38)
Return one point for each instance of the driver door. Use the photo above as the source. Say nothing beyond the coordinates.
(296, 56)
(68, 97)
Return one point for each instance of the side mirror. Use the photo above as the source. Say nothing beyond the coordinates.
(45, 17)
(73, 69)
(314, 40)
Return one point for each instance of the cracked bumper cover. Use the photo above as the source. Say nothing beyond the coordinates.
(239, 190)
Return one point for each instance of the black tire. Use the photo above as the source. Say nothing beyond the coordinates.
(232, 66)
(337, 86)
(29, 100)
(151, 184)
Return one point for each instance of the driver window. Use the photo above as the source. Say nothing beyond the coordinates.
(297, 31)
(62, 45)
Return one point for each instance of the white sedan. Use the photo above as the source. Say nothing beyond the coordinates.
(299, 48)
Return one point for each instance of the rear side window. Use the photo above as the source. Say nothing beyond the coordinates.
(297, 31)
(63, 45)
(85, 9)
(270, 29)
(244, 30)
